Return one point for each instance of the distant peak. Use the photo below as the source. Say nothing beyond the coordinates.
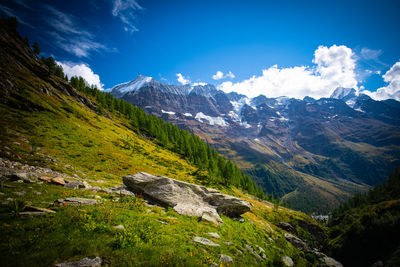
(344, 93)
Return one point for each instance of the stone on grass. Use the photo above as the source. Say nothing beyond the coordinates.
(85, 262)
(330, 262)
(205, 241)
(225, 259)
(296, 242)
(58, 181)
(37, 209)
(287, 227)
(214, 235)
(249, 248)
(287, 261)
(45, 179)
(20, 193)
(77, 185)
(74, 201)
(119, 227)
(212, 217)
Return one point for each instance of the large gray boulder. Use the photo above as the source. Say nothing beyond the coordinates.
(185, 198)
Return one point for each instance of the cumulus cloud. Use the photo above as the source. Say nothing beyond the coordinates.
(126, 11)
(392, 90)
(334, 67)
(73, 69)
(199, 84)
(220, 75)
(182, 80)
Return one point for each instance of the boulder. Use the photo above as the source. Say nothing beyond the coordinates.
(205, 241)
(85, 262)
(184, 197)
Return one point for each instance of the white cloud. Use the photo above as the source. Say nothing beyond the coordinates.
(199, 84)
(392, 90)
(126, 11)
(230, 75)
(220, 75)
(182, 80)
(334, 67)
(73, 69)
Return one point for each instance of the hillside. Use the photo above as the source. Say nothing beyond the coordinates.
(62, 160)
(365, 230)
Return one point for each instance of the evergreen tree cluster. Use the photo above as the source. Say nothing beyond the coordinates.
(54, 68)
(212, 167)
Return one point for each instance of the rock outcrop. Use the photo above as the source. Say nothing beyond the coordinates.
(186, 198)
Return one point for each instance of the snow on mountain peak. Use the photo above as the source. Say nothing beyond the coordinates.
(344, 93)
(131, 86)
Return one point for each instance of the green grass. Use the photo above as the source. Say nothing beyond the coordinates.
(75, 232)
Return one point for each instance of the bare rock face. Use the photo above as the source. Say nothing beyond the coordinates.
(186, 198)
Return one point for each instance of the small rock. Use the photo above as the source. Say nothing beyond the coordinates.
(58, 181)
(37, 192)
(2, 194)
(85, 262)
(45, 179)
(148, 210)
(214, 235)
(269, 228)
(162, 222)
(105, 190)
(122, 192)
(261, 252)
(225, 259)
(73, 201)
(20, 193)
(296, 242)
(33, 208)
(211, 217)
(249, 248)
(227, 243)
(241, 219)
(32, 213)
(119, 227)
(16, 143)
(78, 185)
(330, 262)
(205, 241)
(287, 261)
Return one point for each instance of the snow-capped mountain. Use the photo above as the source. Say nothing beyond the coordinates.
(331, 137)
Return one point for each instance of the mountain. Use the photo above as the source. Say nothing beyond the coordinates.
(364, 230)
(65, 150)
(330, 147)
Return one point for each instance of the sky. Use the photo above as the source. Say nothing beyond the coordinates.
(275, 48)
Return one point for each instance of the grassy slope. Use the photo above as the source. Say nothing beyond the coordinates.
(74, 140)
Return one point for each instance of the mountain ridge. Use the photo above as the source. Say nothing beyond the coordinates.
(327, 138)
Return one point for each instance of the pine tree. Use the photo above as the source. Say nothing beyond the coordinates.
(36, 48)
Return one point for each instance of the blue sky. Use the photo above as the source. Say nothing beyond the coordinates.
(293, 48)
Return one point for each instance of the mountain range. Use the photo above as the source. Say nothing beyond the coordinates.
(313, 153)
